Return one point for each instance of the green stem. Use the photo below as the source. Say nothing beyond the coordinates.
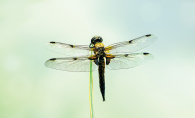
(91, 90)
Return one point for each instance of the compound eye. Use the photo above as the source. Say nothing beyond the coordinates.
(92, 40)
(101, 39)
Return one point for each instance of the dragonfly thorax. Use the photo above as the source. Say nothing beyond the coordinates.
(100, 52)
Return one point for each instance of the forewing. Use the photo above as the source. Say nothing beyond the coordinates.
(69, 50)
(80, 64)
(124, 61)
(132, 45)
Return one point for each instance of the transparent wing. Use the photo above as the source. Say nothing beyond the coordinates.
(124, 61)
(80, 64)
(69, 50)
(132, 45)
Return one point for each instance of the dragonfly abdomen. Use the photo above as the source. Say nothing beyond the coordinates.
(101, 70)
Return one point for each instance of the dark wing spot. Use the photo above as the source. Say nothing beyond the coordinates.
(145, 53)
(75, 58)
(148, 35)
(53, 59)
(130, 41)
(96, 61)
(126, 55)
(71, 46)
(90, 58)
(53, 42)
(107, 60)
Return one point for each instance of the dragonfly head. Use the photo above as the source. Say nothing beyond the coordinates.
(94, 40)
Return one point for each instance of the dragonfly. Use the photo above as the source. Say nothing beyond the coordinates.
(115, 56)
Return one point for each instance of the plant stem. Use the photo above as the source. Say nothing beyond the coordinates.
(91, 90)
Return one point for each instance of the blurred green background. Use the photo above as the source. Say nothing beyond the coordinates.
(163, 88)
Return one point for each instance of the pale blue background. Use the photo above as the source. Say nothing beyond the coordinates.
(163, 88)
